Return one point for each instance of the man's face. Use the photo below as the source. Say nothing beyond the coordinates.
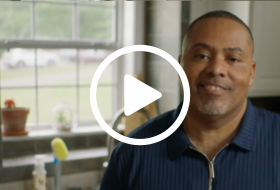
(218, 63)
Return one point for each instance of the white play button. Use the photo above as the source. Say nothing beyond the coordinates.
(137, 95)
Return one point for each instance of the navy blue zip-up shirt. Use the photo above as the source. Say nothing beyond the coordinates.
(250, 162)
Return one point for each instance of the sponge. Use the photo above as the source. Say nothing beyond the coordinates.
(59, 148)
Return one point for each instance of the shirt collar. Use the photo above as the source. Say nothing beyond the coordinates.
(245, 138)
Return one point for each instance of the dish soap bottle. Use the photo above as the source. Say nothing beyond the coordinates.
(39, 173)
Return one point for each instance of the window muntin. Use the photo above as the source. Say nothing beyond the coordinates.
(59, 61)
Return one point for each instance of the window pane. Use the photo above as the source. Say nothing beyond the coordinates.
(104, 102)
(15, 19)
(89, 62)
(17, 67)
(56, 67)
(48, 98)
(99, 3)
(22, 98)
(53, 21)
(96, 23)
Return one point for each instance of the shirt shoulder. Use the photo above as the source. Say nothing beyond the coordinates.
(268, 123)
(125, 158)
(149, 129)
(267, 116)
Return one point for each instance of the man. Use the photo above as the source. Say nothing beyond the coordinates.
(224, 143)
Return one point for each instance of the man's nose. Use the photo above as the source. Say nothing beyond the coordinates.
(216, 67)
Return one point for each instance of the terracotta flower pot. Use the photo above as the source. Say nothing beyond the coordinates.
(14, 120)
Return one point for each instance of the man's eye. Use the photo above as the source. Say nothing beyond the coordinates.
(201, 56)
(233, 59)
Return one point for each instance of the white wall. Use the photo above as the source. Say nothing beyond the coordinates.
(265, 26)
(239, 8)
(164, 32)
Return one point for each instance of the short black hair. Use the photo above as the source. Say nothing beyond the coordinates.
(221, 14)
(218, 14)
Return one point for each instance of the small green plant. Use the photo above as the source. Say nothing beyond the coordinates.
(61, 118)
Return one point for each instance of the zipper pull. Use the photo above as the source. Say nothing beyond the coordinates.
(211, 174)
(211, 170)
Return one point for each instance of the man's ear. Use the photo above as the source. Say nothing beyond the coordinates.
(181, 86)
(252, 77)
(179, 59)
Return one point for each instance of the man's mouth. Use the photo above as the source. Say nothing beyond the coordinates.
(212, 88)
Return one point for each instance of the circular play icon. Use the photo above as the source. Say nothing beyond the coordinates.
(137, 94)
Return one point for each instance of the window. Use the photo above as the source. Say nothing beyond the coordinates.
(49, 51)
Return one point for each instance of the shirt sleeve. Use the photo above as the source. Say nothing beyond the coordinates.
(116, 176)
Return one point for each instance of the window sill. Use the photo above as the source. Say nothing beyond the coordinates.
(86, 145)
(20, 168)
(50, 133)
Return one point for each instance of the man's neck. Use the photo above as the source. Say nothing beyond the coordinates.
(209, 134)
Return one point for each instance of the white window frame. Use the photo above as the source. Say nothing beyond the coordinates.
(115, 44)
(132, 65)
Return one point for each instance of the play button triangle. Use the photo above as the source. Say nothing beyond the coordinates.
(137, 95)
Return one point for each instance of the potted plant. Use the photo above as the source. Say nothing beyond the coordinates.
(63, 115)
(14, 119)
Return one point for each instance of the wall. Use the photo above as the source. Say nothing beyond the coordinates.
(266, 29)
(239, 8)
(163, 23)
